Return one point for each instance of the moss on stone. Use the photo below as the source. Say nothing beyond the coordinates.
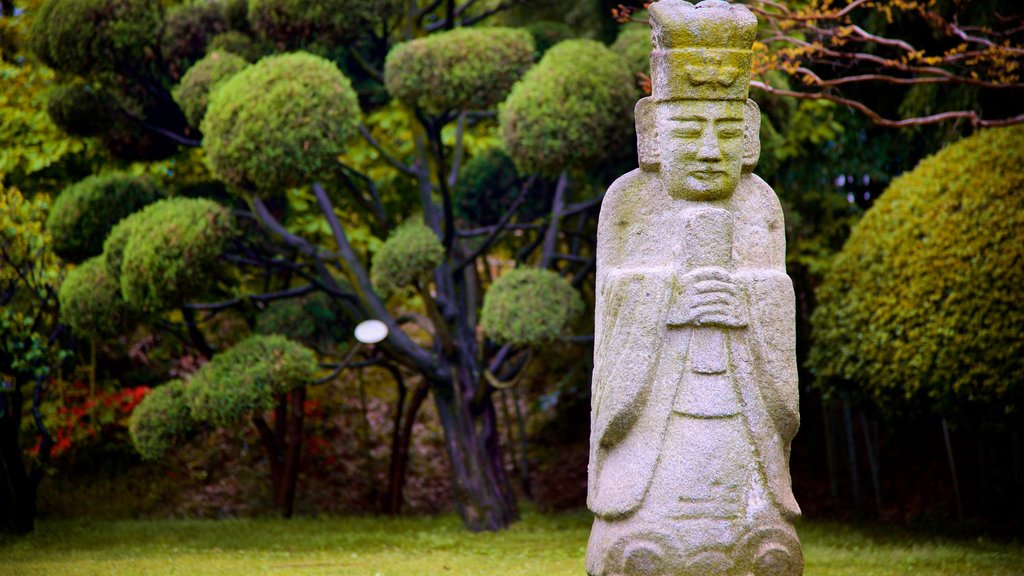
(85, 212)
(297, 24)
(160, 420)
(193, 94)
(248, 378)
(923, 307)
(546, 34)
(85, 36)
(91, 303)
(410, 252)
(462, 69)
(529, 306)
(80, 109)
(571, 109)
(188, 30)
(170, 251)
(280, 122)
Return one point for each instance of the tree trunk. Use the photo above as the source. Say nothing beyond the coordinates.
(17, 492)
(400, 450)
(483, 496)
(292, 453)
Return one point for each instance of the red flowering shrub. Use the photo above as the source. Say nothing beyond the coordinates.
(80, 419)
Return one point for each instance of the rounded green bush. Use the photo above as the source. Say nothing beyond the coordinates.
(571, 109)
(409, 253)
(236, 12)
(160, 420)
(462, 69)
(278, 123)
(314, 320)
(193, 94)
(293, 24)
(547, 33)
(634, 45)
(188, 30)
(172, 251)
(529, 306)
(85, 36)
(79, 109)
(85, 212)
(90, 301)
(488, 185)
(923, 306)
(248, 378)
(236, 43)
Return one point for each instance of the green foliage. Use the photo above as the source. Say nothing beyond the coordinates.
(170, 251)
(85, 36)
(571, 109)
(80, 109)
(462, 69)
(236, 12)
(410, 252)
(193, 94)
(546, 34)
(280, 122)
(529, 306)
(313, 320)
(237, 43)
(634, 45)
(91, 303)
(85, 212)
(487, 187)
(248, 378)
(923, 305)
(160, 420)
(188, 29)
(294, 24)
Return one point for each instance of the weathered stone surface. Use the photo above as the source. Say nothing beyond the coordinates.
(695, 390)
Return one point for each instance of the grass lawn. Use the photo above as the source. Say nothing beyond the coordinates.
(542, 545)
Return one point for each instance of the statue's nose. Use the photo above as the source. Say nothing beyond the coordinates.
(709, 150)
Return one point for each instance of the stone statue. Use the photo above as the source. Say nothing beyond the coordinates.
(695, 389)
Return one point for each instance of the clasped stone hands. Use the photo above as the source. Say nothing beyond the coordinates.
(709, 296)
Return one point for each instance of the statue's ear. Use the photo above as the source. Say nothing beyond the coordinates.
(751, 135)
(647, 134)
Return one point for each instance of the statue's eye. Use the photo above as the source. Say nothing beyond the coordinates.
(688, 130)
(730, 132)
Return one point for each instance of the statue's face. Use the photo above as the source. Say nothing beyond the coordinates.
(700, 146)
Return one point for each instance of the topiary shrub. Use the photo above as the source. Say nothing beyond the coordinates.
(465, 68)
(248, 378)
(410, 252)
(487, 187)
(278, 123)
(546, 34)
(79, 109)
(236, 12)
(193, 94)
(293, 24)
(85, 36)
(634, 45)
(91, 303)
(923, 307)
(236, 43)
(187, 32)
(571, 109)
(85, 212)
(169, 251)
(313, 320)
(162, 419)
(529, 306)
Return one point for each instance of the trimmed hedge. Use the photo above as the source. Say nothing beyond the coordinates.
(409, 253)
(487, 186)
(188, 30)
(923, 307)
(529, 306)
(162, 419)
(80, 109)
(91, 303)
(462, 69)
(193, 94)
(294, 24)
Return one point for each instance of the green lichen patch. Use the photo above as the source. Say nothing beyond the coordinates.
(410, 252)
(529, 306)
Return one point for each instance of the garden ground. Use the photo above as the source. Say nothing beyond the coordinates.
(543, 545)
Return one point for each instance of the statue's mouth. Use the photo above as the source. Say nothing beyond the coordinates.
(707, 174)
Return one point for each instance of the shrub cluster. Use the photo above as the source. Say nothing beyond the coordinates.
(188, 30)
(84, 36)
(90, 301)
(237, 43)
(160, 420)
(85, 212)
(529, 306)
(546, 34)
(280, 122)
(634, 45)
(193, 94)
(410, 252)
(487, 186)
(314, 320)
(923, 306)
(295, 24)
(571, 109)
(80, 109)
(462, 69)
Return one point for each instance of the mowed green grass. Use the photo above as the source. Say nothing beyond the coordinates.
(540, 545)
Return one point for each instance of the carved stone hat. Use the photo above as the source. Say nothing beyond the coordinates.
(701, 52)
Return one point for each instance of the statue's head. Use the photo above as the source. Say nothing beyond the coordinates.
(698, 128)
